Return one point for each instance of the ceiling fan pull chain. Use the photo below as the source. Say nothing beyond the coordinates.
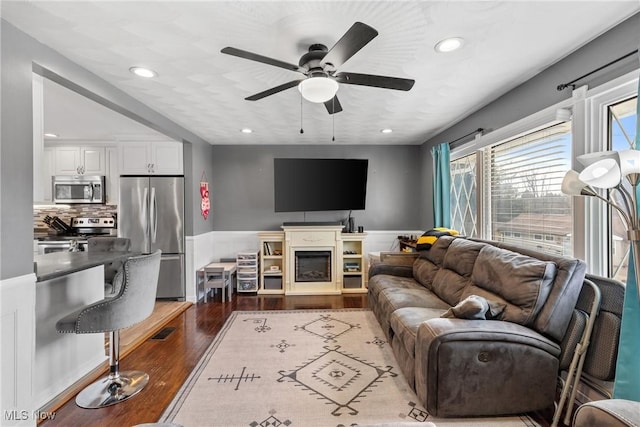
(333, 120)
(301, 130)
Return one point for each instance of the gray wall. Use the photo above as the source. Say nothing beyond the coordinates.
(199, 161)
(540, 92)
(242, 186)
(20, 54)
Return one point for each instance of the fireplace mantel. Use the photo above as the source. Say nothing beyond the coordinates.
(315, 238)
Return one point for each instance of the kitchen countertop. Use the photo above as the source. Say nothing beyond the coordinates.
(58, 264)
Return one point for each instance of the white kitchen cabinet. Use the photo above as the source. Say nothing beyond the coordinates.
(80, 160)
(151, 158)
(42, 179)
(113, 176)
(48, 167)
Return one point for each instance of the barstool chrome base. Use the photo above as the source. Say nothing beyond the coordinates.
(107, 392)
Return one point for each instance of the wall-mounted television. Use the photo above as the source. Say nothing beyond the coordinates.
(302, 185)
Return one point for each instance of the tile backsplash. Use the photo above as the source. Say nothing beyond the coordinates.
(67, 212)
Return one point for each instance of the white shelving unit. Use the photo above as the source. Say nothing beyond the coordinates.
(247, 268)
(271, 262)
(354, 265)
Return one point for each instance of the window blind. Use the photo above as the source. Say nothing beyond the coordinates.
(522, 178)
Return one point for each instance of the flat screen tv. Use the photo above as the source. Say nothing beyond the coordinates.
(302, 185)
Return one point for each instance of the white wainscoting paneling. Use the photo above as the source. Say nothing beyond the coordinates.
(208, 247)
(17, 350)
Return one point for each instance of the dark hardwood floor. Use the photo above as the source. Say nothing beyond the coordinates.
(169, 361)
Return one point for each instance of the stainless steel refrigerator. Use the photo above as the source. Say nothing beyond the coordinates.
(151, 214)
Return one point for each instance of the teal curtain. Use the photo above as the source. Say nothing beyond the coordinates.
(627, 382)
(441, 186)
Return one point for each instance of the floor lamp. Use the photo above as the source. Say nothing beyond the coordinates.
(611, 170)
(619, 173)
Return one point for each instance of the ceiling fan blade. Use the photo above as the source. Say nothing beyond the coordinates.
(333, 105)
(351, 42)
(273, 90)
(259, 58)
(375, 81)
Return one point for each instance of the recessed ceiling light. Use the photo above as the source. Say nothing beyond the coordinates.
(143, 72)
(246, 130)
(386, 130)
(449, 45)
(50, 135)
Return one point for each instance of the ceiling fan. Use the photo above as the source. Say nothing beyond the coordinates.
(319, 65)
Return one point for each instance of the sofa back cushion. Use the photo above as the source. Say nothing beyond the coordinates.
(454, 277)
(430, 261)
(555, 315)
(522, 282)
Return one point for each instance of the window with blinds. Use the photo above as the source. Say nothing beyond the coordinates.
(522, 179)
(464, 210)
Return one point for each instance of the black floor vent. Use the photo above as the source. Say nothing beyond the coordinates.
(163, 333)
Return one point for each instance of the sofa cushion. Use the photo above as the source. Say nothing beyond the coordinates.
(438, 250)
(384, 281)
(391, 299)
(453, 278)
(554, 317)
(521, 281)
(405, 321)
(424, 271)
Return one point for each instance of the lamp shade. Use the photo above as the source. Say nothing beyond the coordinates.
(571, 184)
(318, 89)
(601, 174)
(590, 158)
(629, 161)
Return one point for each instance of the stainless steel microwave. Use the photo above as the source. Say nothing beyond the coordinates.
(78, 189)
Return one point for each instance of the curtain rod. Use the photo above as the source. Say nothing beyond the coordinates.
(479, 130)
(573, 86)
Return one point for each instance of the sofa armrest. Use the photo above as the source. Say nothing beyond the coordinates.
(483, 367)
(391, 269)
(610, 412)
(440, 330)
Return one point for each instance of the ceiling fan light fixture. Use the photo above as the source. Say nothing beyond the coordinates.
(143, 72)
(318, 89)
(449, 44)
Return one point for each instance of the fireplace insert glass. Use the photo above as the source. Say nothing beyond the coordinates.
(313, 266)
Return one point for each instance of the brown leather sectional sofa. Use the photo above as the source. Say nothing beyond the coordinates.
(461, 367)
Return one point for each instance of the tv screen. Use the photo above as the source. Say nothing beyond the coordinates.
(319, 184)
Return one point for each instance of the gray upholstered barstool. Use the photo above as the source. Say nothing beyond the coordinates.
(107, 244)
(133, 304)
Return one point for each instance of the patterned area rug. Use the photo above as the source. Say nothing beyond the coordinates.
(303, 368)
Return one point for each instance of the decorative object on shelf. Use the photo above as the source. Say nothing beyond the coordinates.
(205, 204)
(618, 172)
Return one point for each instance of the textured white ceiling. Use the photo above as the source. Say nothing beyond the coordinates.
(507, 42)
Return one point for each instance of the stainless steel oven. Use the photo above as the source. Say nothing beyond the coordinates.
(50, 246)
(78, 189)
